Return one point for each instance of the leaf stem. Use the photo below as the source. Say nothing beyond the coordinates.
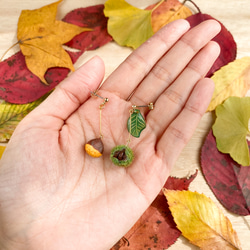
(157, 5)
(18, 42)
(12, 46)
(195, 5)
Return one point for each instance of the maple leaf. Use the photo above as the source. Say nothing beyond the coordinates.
(201, 221)
(231, 80)
(40, 37)
(231, 128)
(149, 230)
(226, 177)
(167, 12)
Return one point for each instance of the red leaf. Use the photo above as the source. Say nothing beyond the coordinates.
(156, 228)
(224, 39)
(174, 183)
(226, 178)
(91, 17)
(18, 85)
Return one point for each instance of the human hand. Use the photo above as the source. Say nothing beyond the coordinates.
(55, 196)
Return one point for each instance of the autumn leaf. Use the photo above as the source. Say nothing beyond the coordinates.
(41, 37)
(128, 25)
(231, 128)
(92, 17)
(226, 177)
(149, 231)
(12, 114)
(228, 47)
(231, 80)
(167, 12)
(201, 221)
(18, 85)
(2, 148)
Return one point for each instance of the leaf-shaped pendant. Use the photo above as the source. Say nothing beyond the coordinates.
(136, 123)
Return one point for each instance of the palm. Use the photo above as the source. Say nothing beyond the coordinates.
(68, 197)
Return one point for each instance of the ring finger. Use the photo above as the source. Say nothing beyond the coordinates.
(174, 98)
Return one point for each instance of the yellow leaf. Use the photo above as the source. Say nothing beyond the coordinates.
(231, 80)
(2, 148)
(40, 37)
(12, 114)
(128, 25)
(201, 221)
(167, 12)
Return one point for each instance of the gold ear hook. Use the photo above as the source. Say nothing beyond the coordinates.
(150, 106)
(93, 93)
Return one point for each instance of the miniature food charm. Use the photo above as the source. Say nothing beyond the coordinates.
(122, 155)
(94, 147)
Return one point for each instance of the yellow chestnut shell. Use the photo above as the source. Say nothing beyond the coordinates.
(94, 148)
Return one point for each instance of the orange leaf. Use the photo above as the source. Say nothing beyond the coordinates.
(167, 12)
(201, 221)
(40, 37)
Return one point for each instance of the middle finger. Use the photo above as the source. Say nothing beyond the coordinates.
(174, 62)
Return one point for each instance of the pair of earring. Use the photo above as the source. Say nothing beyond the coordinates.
(121, 155)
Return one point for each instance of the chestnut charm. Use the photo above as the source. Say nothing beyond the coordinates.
(94, 147)
(122, 155)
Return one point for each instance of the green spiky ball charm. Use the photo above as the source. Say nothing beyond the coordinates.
(122, 155)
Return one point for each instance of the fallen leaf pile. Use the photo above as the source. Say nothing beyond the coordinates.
(150, 230)
(27, 78)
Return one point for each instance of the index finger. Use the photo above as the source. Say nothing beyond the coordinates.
(131, 72)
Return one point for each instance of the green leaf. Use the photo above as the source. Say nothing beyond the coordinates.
(136, 123)
(231, 128)
(12, 114)
(128, 25)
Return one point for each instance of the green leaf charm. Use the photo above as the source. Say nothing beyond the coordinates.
(136, 123)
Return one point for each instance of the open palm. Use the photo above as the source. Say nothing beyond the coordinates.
(55, 196)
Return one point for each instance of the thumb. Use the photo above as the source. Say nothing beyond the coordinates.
(74, 90)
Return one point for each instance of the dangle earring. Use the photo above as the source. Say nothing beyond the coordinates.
(95, 146)
(136, 122)
(122, 155)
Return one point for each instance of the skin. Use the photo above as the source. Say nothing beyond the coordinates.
(55, 196)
